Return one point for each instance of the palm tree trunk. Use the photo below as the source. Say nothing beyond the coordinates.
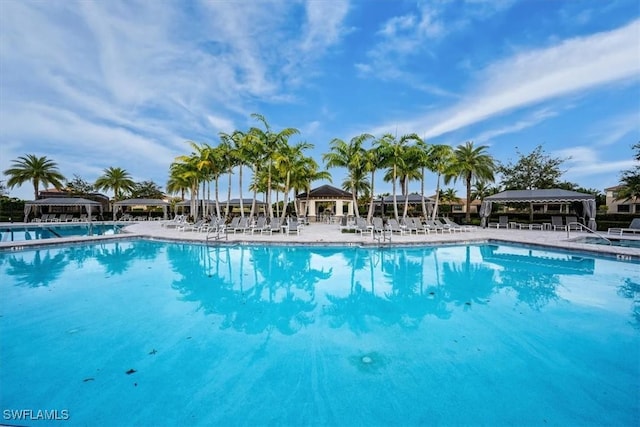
(371, 204)
(240, 190)
(468, 213)
(395, 199)
(424, 204)
(435, 208)
(229, 191)
(217, 195)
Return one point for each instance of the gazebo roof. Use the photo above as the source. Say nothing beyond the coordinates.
(326, 192)
(413, 198)
(245, 202)
(63, 201)
(545, 195)
(142, 202)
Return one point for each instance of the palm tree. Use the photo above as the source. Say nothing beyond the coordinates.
(116, 179)
(290, 159)
(440, 159)
(373, 160)
(481, 189)
(352, 157)
(271, 142)
(423, 161)
(306, 172)
(471, 164)
(35, 169)
(395, 151)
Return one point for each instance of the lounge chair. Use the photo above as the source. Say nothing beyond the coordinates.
(572, 223)
(447, 226)
(260, 225)
(273, 227)
(395, 227)
(378, 225)
(409, 225)
(457, 226)
(556, 223)
(434, 226)
(419, 227)
(503, 222)
(634, 228)
(191, 227)
(362, 227)
(241, 225)
(293, 227)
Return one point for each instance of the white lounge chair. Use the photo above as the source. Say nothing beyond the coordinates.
(634, 228)
(293, 227)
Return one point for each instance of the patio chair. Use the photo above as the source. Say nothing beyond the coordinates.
(378, 225)
(273, 227)
(434, 226)
(409, 225)
(455, 225)
(444, 224)
(260, 225)
(503, 222)
(557, 224)
(634, 228)
(419, 226)
(572, 223)
(395, 227)
(241, 225)
(362, 227)
(293, 227)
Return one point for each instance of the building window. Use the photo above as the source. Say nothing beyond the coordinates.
(456, 208)
(624, 208)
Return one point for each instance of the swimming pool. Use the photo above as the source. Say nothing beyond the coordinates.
(15, 233)
(145, 332)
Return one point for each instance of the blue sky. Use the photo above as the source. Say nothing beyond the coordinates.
(96, 84)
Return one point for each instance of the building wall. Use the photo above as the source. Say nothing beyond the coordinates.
(615, 206)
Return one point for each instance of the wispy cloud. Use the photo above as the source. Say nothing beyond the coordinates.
(530, 77)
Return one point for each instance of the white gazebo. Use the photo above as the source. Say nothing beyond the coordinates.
(327, 194)
(550, 195)
(89, 205)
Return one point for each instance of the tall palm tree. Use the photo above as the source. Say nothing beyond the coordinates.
(373, 160)
(423, 161)
(352, 157)
(270, 144)
(286, 160)
(35, 169)
(395, 151)
(116, 179)
(471, 164)
(440, 160)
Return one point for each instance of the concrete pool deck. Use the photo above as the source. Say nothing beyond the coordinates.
(331, 234)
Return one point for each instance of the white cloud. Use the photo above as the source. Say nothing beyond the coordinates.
(531, 77)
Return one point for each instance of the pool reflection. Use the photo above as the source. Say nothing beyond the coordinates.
(286, 288)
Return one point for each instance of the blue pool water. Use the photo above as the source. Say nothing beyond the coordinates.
(153, 333)
(18, 234)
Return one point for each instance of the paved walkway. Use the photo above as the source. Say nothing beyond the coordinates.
(330, 234)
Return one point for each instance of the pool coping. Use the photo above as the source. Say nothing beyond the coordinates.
(330, 235)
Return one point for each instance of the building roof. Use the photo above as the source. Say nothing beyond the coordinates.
(326, 192)
(63, 201)
(142, 202)
(545, 195)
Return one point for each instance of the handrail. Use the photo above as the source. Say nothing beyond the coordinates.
(217, 230)
(584, 227)
(382, 235)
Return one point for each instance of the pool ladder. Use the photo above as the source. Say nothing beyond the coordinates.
(584, 227)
